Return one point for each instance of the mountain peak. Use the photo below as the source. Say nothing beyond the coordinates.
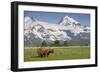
(71, 19)
(68, 21)
(29, 19)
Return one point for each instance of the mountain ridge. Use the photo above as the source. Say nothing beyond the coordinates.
(66, 30)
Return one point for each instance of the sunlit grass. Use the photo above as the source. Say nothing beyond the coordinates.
(61, 53)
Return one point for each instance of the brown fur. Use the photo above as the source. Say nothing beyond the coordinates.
(44, 51)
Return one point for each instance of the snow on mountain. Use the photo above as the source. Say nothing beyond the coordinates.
(65, 30)
(68, 21)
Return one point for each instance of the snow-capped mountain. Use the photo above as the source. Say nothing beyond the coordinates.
(66, 30)
(68, 21)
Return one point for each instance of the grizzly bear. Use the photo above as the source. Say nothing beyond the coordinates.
(44, 51)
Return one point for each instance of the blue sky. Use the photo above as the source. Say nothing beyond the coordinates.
(55, 17)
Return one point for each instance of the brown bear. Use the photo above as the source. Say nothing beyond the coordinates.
(44, 51)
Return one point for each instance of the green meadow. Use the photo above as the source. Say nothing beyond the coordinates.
(60, 53)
